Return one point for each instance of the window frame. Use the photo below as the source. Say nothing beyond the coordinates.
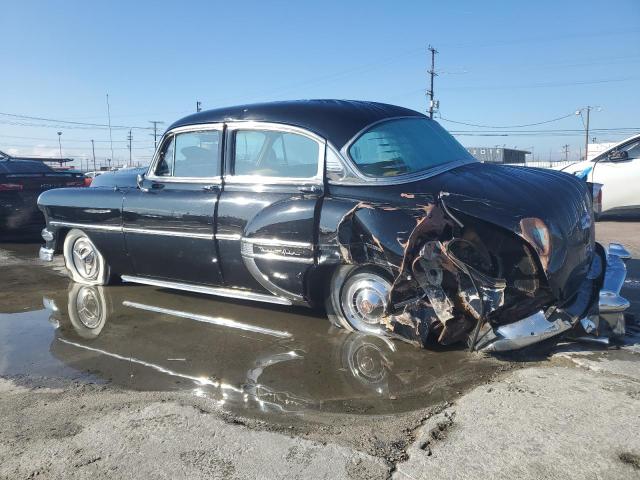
(170, 134)
(233, 127)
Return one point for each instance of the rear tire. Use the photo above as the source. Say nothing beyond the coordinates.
(83, 260)
(357, 299)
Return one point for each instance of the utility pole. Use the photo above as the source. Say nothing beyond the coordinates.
(130, 138)
(155, 132)
(198, 106)
(60, 146)
(93, 148)
(109, 116)
(432, 73)
(566, 152)
(586, 135)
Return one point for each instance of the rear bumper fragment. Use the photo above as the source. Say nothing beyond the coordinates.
(538, 327)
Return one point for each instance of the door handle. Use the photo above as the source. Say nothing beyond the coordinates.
(310, 189)
(211, 188)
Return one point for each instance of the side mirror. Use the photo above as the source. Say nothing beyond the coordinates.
(618, 156)
(140, 182)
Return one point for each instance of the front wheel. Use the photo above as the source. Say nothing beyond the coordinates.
(84, 261)
(357, 299)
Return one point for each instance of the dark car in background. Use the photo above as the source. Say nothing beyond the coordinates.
(21, 182)
(371, 209)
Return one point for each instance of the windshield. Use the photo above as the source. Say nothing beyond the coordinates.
(404, 146)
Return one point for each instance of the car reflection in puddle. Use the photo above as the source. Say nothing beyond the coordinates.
(240, 355)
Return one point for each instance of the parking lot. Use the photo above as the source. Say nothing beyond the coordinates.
(207, 388)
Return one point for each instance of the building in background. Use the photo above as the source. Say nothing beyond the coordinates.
(498, 154)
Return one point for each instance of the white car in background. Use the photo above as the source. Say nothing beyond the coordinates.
(618, 171)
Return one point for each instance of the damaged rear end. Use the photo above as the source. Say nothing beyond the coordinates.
(503, 258)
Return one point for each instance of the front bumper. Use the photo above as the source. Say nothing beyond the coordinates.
(539, 326)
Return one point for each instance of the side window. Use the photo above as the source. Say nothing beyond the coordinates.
(633, 150)
(197, 154)
(164, 168)
(275, 154)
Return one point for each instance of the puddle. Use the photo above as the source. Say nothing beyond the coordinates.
(242, 355)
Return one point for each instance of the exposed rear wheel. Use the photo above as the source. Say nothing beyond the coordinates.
(84, 261)
(358, 299)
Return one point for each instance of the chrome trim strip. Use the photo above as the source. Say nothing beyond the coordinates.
(224, 322)
(276, 242)
(228, 236)
(91, 226)
(280, 258)
(221, 292)
(168, 233)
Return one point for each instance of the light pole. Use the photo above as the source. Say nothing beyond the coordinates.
(60, 146)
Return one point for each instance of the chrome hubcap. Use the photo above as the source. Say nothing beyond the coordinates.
(85, 259)
(364, 300)
(88, 308)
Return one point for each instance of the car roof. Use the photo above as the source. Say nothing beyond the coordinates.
(23, 166)
(336, 120)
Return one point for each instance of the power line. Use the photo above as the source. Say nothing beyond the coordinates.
(42, 119)
(507, 126)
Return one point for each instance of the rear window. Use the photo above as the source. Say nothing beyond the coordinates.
(404, 146)
(23, 166)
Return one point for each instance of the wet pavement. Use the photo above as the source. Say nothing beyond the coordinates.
(242, 355)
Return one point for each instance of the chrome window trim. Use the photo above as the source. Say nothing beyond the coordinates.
(363, 180)
(202, 127)
(317, 179)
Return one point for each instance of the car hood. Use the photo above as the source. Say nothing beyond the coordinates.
(550, 210)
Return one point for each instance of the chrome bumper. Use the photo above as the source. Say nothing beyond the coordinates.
(536, 328)
(46, 254)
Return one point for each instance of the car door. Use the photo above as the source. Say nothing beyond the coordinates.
(620, 177)
(168, 222)
(267, 221)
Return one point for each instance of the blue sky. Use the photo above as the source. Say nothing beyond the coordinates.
(500, 63)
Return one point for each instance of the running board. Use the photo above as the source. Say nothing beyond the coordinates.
(221, 292)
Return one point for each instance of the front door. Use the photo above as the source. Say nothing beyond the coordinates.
(267, 215)
(169, 222)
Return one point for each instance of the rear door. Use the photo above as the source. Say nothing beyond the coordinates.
(168, 224)
(267, 222)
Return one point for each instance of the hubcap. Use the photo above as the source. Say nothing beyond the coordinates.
(364, 300)
(88, 308)
(85, 259)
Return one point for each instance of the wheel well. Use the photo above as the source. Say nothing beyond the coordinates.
(60, 236)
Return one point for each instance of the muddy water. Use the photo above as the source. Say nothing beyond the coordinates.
(242, 355)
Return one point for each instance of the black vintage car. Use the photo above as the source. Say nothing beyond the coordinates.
(371, 209)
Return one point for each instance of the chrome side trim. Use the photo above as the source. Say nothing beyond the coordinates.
(90, 226)
(228, 236)
(280, 258)
(168, 233)
(224, 322)
(221, 292)
(264, 280)
(276, 242)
